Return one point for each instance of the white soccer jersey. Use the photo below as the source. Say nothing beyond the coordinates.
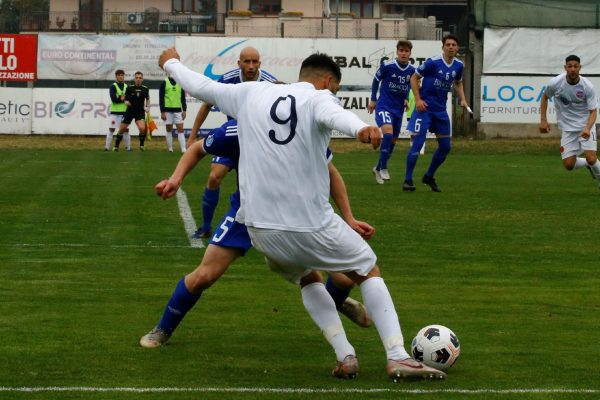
(573, 102)
(284, 131)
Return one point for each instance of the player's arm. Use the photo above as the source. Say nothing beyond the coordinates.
(590, 123)
(460, 89)
(161, 101)
(340, 198)
(332, 115)
(227, 97)
(113, 95)
(168, 187)
(147, 106)
(128, 96)
(415, 85)
(374, 90)
(200, 118)
(544, 127)
(183, 104)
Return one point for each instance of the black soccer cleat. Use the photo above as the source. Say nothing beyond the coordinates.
(430, 181)
(409, 186)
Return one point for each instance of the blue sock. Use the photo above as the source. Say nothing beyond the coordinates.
(180, 303)
(210, 199)
(413, 155)
(444, 146)
(338, 295)
(385, 151)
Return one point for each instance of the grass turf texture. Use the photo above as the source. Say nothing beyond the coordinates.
(505, 257)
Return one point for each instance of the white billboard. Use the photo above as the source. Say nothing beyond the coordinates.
(15, 110)
(96, 57)
(516, 99)
(538, 50)
(358, 59)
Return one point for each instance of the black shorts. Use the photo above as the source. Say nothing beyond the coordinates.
(133, 115)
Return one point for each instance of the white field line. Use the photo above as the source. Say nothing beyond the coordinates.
(83, 389)
(188, 219)
(114, 246)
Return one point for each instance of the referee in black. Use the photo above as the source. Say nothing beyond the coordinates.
(137, 98)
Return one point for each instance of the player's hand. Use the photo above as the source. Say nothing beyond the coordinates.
(163, 116)
(421, 105)
(166, 188)
(147, 109)
(585, 134)
(167, 55)
(544, 127)
(363, 229)
(128, 103)
(370, 134)
(371, 106)
(183, 115)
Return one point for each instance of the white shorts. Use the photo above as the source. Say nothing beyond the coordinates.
(572, 144)
(115, 121)
(334, 248)
(173, 118)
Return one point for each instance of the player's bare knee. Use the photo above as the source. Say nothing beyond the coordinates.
(201, 279)
(312, 277)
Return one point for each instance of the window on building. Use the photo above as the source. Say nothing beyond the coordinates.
(194, 6)
(90, 15)
(362, 8)
(265, 6)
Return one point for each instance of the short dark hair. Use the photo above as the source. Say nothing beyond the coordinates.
(138, 73)
(404, 43)
(321, 62)
(572, 57)
(119, 72)
(451, 37)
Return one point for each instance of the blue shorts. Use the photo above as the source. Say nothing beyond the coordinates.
(436, 122)
(385, 117)
(223, 160)
(230, 233)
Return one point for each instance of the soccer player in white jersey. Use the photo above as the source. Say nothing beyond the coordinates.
(248, 70)
(284, 131)
(576, 111)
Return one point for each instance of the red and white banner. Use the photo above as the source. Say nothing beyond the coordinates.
(18, 57)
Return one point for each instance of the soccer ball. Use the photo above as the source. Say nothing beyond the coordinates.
(436, 346)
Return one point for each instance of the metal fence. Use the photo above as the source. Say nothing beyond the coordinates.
(64, 21)
(256, 26)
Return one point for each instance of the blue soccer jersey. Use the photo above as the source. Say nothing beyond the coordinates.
(235, 76)
(393, 81)
(437, 81)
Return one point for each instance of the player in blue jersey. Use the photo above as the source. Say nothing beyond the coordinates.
(392, 79)
(248, 70)
(439, 74)
(231, 240)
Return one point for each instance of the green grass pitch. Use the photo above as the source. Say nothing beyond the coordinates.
(506, 256)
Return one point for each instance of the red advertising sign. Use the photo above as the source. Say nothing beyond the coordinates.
(18, 57)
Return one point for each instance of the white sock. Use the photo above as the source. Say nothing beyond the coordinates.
(596, 170)
(580, 163)
(321, 308)
(109, 138)
(127, 138)
(170, 140)
(181, 138)
(381, 308)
